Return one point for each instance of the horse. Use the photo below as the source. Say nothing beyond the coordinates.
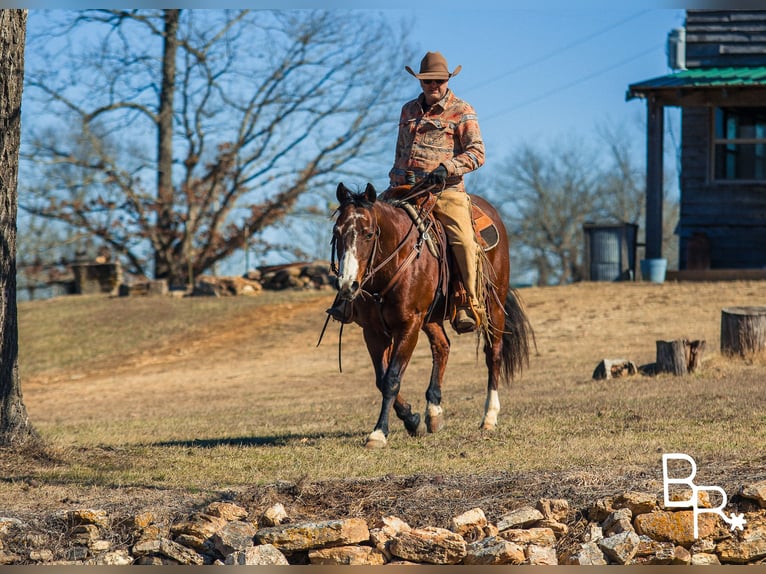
(393, 287)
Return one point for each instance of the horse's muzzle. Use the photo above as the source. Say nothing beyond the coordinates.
(348, 291)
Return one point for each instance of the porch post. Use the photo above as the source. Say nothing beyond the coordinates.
(654, 177)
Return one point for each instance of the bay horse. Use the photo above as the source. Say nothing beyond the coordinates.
(393, 287)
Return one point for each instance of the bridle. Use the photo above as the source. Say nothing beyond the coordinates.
(371, 268)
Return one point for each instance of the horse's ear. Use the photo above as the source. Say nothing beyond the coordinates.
(341, 193)
(370, 194)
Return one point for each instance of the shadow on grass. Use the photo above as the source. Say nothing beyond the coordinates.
(254, 441)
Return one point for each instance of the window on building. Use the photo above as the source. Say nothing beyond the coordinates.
(739, 144)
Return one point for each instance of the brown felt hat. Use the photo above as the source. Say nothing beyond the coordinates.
(433, 66)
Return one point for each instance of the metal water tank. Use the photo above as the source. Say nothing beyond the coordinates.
(610, 251)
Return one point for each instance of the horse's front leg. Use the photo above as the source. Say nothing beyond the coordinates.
(389, 370)
(440, 347)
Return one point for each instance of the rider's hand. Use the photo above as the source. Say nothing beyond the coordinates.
(437, 176)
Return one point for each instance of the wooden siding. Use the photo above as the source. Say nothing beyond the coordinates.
(731, 214)
(722, 38)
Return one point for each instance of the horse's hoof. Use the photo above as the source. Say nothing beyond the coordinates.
(435, 424)
(434, 418)
(421, 430)
(376, 440)
(487, 427)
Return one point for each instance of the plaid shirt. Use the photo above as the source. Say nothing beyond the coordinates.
(448, 133)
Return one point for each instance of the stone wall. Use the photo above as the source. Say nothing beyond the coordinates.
(631, 528)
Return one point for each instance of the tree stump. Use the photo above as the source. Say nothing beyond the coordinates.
(679, 357)
(743, 330)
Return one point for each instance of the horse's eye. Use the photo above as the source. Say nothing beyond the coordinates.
(369, 236)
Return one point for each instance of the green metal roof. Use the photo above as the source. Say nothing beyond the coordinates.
(702, 78)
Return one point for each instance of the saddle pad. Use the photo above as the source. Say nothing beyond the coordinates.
(484, 228)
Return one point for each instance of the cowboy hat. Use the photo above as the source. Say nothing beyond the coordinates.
(433, 66)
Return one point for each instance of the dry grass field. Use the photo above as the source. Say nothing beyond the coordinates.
(166, 404)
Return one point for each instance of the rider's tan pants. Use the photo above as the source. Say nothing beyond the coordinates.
(453, 209)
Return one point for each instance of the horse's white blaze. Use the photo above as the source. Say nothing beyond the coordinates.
(491, 408)
(348, 270)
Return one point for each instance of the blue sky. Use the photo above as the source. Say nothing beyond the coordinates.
(540, 74)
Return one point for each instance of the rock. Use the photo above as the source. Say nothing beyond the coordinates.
(519, 518)
(470, 525)
(651, 552)
(493, 551)
(558, 528)
(234, 536)
(431, 545)
(541, 555)
(85, 534)
(262, 555)
(600, 509)
(675, 527)
(749, 546)
(99, 546)
(178, 553)
(637, 502)
(208, 285)
(139, 522)
(681, 556)
(704, 559)
(200, 526)
(9, 525)
(347, 555)
(525, 537)
(87, 516)
(226, 510)
(553, 508)
(114, 558)
(587, 554)
(384, 531)
(201, 545)
(44, 555)
(77, 553)
(310, 535)
(755, 491)
(593, 533)
(273, 516)
(620, 547)
(618, 521)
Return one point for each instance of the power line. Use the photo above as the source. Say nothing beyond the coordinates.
(558, 51)
(572, 84)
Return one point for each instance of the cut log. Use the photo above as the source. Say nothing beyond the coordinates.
(679, 357)
(614, 368)
(743, 330)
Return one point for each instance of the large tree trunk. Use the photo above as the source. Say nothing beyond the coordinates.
(165, 196)
(14, 422)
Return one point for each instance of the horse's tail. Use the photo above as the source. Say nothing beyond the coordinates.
(517, 333)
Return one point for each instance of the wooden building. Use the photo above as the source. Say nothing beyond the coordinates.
(719, 83)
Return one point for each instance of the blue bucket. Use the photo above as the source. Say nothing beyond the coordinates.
(654, 270)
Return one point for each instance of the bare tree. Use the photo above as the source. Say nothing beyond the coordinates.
(546, 196)
(184, 134)
(15, 427)
(547, 193)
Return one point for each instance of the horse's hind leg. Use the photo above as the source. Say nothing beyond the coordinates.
(440, 346)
